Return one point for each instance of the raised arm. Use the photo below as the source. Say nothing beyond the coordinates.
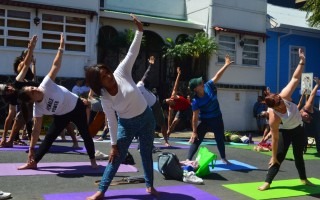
(125, 67)
(57, 60)
(309, 104)
(146, 74)
(295, 80)
(227, 63)
(24, 65)
(300, 104)
(175, 87)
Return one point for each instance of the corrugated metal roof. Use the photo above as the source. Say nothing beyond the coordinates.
(288, 16)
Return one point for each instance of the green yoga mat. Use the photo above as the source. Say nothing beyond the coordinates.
(310, 155)
(279, 189)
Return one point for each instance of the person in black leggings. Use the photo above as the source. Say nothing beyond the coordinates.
(52, 99)
(286, 128)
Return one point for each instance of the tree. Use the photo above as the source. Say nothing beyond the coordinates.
(312, 7)
(199, 47)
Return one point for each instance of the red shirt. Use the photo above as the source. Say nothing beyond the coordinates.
(181, 103)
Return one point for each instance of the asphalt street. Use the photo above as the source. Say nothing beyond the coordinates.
(30, 187)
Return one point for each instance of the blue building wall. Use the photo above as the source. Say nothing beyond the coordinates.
(312, 48)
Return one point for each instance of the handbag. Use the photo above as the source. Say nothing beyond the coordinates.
(205, 159)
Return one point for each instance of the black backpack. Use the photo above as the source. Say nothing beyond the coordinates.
(169, 166)
(128, 160)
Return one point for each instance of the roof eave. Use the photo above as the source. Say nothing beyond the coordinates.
(152, 20)
(285, 28)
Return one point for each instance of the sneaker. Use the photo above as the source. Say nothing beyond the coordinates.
(101, 156)
(4, 195)
(190, 177)
(99, 139)
(156, 149)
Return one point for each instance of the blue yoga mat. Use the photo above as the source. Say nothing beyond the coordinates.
(220, 166)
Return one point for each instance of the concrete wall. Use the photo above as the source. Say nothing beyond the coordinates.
(237, 114)
(92, 5)
(244, 15)
(161, 8)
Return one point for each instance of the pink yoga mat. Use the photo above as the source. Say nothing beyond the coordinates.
(53, 149)
(10, 169)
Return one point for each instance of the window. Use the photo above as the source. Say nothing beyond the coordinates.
(2, 23)
(73, 28)
(227, 45)
(250, 52)
(16, 25)
(294, 59)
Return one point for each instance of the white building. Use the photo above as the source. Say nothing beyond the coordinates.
(239, 27)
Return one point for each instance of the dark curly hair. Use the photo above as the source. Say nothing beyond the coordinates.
(92, 75)
(17, 61)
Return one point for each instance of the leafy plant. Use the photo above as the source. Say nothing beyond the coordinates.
(312, 7)
(199, 44)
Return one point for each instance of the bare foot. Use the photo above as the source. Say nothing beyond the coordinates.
(225, 161)
(6, 144)
(94, 164)
(97, 196)
(167, 144)
(152, 191)
(307, 182)
(75, 145)
(265, 186)
(29, 165)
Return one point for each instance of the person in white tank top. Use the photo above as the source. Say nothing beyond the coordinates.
(285, 116)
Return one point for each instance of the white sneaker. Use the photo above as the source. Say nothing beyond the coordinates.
(101, 156)
(190, 177)
(4, 195)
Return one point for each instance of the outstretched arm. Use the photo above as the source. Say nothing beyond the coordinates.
(309, 103)
(33, 68)
(57, 60)
(289, 89)
(125, 67)
(146, 74)
(219, 74)
(175, 87)
(24, 65)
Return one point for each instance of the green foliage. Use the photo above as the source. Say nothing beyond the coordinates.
(312, 7)
(194, 46)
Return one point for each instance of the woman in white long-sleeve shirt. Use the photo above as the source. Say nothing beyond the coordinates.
(120, 94)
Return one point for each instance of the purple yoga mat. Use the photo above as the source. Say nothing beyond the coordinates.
(161, 146)
(53, 149)
(10, 169)
(176, 192)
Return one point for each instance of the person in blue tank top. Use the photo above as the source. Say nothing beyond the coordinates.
(205, 107)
